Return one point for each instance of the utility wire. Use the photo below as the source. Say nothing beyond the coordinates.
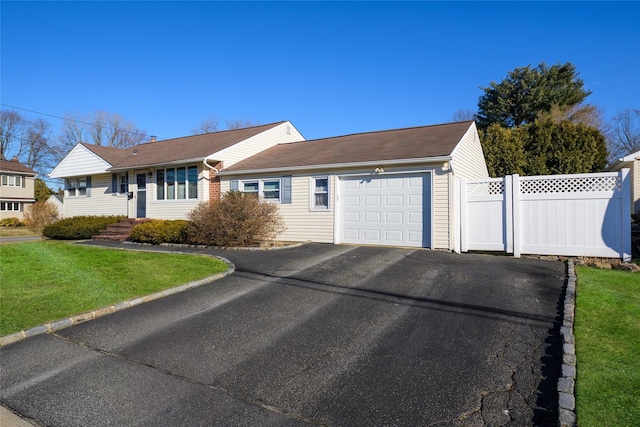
(67, 119)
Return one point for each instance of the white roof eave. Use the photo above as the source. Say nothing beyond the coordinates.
(375, 163)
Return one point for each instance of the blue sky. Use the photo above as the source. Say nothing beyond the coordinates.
(332, 68)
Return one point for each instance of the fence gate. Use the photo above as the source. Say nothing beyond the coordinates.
(572, 215)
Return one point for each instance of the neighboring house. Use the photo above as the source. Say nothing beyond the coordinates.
(393, 187)
(164, 179)
(17, 188)
(632, 162)
(58, 201)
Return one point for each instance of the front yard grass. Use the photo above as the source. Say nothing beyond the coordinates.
(44, 281)
(607, 330)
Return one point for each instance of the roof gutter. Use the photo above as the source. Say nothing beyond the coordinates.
(439, 159)
(154, 165)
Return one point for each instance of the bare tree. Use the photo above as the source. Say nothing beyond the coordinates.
(99, 128)
(463, 116)
(12, 128)
(208, 125)
(624, 135)
(37, 153)
(240, 124)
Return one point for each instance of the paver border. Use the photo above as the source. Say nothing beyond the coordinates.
(58, 324)
(567, 379)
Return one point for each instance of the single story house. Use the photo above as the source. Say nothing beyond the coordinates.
(393, 187)
(159, 179)
(631, 162)
(17, 188)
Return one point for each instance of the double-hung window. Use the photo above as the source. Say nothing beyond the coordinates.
(78, 187)
(319, 193)
(11, 181)
(122, 186)
(267, 189)
(177, 183)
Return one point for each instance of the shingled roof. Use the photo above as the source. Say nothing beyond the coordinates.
(175, 150)
(15, 166)
(397, 144)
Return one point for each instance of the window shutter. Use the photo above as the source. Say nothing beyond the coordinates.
(114, 183)
(286, 189)
(88, 186)
(23, 179)
(234, 185)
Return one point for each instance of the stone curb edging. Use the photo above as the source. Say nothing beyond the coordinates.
(232, 248)
(567, 380)
(94, 314)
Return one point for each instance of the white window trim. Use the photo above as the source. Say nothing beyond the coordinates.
(312, 193)
(17, 180)
(261, 183)
(175, 199)
(9, 207)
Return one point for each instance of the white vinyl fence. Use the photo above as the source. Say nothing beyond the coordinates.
(572, 215)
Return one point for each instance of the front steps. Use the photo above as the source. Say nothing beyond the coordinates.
(119, 232)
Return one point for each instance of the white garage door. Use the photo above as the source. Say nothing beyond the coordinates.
(386, 210)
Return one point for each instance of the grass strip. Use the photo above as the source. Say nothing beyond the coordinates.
(47, 280)
(607, 330)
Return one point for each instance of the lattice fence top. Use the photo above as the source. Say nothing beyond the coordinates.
(590, 184)
(485, 188)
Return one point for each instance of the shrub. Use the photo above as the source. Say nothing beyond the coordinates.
(10, 222)
(236, 219)
(39, 215)
(79, 227)
(160, 231)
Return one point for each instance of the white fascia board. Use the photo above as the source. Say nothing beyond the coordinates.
(80, 150)
(623, 162)
(631, 157)
(156, 165)
(439, 159)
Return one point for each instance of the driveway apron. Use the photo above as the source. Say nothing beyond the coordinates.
(316, 335)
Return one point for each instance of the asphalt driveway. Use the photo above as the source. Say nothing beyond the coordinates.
(316, 335)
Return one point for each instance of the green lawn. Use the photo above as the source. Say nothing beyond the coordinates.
(43, 281)
(607, 330)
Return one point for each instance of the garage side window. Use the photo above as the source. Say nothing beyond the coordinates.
(319, 193)
(267, 189)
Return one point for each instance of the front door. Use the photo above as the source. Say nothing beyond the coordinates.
(141, 204)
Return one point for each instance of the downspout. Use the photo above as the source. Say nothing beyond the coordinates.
(204, 161)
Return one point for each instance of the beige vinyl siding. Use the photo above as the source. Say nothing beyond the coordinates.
(101, 202)
(23, 195)
(258, 143)
(441, 210)
(302, 222)
(79, 162)
(468, 158)
(24, 191)
(319, 226)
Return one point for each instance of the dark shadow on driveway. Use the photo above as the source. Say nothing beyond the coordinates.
(546, 413)
(397, 298)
